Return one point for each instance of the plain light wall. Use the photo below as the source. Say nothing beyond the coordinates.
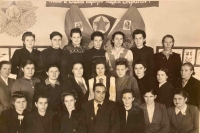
(178, 18)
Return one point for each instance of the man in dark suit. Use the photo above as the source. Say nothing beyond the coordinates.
(40, 120)
(5, 85)
(101, 115)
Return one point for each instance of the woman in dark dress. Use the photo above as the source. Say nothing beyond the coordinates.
(28, 52)
(11, 120)
(131, 116)
(165, 90)
(71, 53)
(190, 84)
(69, 120)
(79, 84)
(183, 118)
(169, 60)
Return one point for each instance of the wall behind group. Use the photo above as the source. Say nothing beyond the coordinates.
(178, 18)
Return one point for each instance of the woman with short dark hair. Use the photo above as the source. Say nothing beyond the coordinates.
(165, 89)
(27, 82)
(155, 114)
(183, 118)
(69, 120)
(12, 120)
(28, 52)
(117, 51)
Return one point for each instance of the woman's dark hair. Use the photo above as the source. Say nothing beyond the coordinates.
(19, 94)
(164, 69)
(55, 33)
(113, 37)
(151, 90)
(69, 93)
(75, 30)
(124, 91)
(95, 65)
(138, 31)
(168, 36)
(41, 95)
(28, 33)
(74, 63)
(5, 62)
(190, 65)
(52, 65)
(121, 61)
(100, 85)
(140, 62)
(97, 33)
(26, 62)
(182, 93)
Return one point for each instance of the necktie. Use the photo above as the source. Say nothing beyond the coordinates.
(99, 107)
(101, 80)
(82, 87)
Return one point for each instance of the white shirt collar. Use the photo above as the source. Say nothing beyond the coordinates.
(182, 110)
(162, 84)
(5, 80)
(99, 77)
(95, 104)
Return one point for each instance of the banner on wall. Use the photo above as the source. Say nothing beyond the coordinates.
(110, 4)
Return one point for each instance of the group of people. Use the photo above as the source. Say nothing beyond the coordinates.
(117, 90)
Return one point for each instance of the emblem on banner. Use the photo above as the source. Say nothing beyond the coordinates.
(16, 17)
(102, 23)
(127, 25)
(79, 25)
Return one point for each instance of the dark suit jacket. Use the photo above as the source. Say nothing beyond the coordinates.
(34, 124)
(193, 89)
(107, 120)
(160, 123)
(135, 120)
(5, 94)
(173, 64)
(9, 122)
(81, 96)
(190, 122)
(165, 94)
(63, 124)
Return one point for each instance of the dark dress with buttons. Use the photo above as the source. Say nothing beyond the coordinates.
(9, 122)
(63, 123)
(23, 54)
(173, 64)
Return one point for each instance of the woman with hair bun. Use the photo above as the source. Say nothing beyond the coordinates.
(183, 118)
(68, 120)
(190, 84)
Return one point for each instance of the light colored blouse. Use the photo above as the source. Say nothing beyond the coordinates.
(112, 89)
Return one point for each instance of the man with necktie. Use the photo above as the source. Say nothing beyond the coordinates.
(101, 115)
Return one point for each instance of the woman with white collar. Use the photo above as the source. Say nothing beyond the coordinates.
(165, 89)
(118, 51)
(102, 77)
(183, 118)
(79, 84)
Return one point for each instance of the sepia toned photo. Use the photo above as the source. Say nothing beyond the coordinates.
(99, 66)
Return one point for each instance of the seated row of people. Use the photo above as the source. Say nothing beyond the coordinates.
(100, 115)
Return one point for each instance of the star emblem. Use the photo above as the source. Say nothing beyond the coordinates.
(101, 24)
(16, 17)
